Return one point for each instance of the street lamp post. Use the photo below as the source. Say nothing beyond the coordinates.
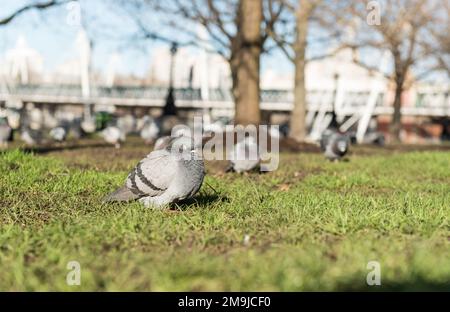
(169, 108)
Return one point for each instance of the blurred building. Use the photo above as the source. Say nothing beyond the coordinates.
(22, 63)
(192, 68)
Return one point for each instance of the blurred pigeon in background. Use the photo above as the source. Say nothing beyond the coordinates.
(5, 132)
(164, 176)
(244, 156)
(34, 117)
(31, 136)
(275, 133)
(284, 129)
(87, 125)
(113, 135)
(13, 117)
(162, 142)
(181, 130)
(58, 134)
(334, 144)
(178, 131)
(127, 123)
(218, 126)
(150, 130)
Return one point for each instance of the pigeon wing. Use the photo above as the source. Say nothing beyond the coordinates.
(152, 175)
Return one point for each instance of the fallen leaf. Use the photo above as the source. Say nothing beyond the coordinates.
(284, 187)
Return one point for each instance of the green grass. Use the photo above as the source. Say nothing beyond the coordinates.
(312, 225)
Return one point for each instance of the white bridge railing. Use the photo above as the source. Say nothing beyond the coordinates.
(426, 101)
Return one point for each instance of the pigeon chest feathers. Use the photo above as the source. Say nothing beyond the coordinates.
(5, 132)
(340, 146)
(192, 173)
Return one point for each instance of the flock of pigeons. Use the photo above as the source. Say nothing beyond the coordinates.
(174, 170)
(34, 133)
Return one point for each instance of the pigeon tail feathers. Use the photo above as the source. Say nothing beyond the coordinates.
(230, 167)
(120, 195)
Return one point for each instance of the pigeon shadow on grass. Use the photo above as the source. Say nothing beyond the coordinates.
(198, 201)
(44, 149)
(202, 200)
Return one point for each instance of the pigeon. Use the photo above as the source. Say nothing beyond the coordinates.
(334, 144)
(284, 129)
(31, 136)
(77, 128)
(178, 131)
(275, 133)
(5, 132)
(244, 156)
(181, 130)
(217, 127)
(58, 134)
(162, 142)
(35, 118)
(113, 135)
(164, 176)
(150, 130)
(13, 117)
(127, 124)
(88, 125)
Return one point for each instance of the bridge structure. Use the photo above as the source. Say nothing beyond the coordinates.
(428, 101)
(351, 106)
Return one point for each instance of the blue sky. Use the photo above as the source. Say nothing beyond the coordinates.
(49, 33)
(110, 27)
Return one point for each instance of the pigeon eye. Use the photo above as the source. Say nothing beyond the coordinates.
(180, 148)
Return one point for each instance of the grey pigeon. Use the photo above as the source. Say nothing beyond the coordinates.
(87, 125)
(334, 144)
(13, 117)
(164, 176)
(178, 131)
(31, 136)
(244, 156)
(162, 142)
(126, 123)
(5, 132)
(58, 134)
(113, 135)
(150, 129)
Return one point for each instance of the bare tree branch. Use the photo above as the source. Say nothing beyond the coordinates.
(29, 7)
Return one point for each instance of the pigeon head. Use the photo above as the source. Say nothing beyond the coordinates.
(340, 146)
(181, 145)
(181, 130)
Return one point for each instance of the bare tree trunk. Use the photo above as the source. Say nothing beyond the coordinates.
(400, 75)
(245, 62)
(298, 115)
(396, 123)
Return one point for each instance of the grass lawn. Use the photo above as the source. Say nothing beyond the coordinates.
(310, 225)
